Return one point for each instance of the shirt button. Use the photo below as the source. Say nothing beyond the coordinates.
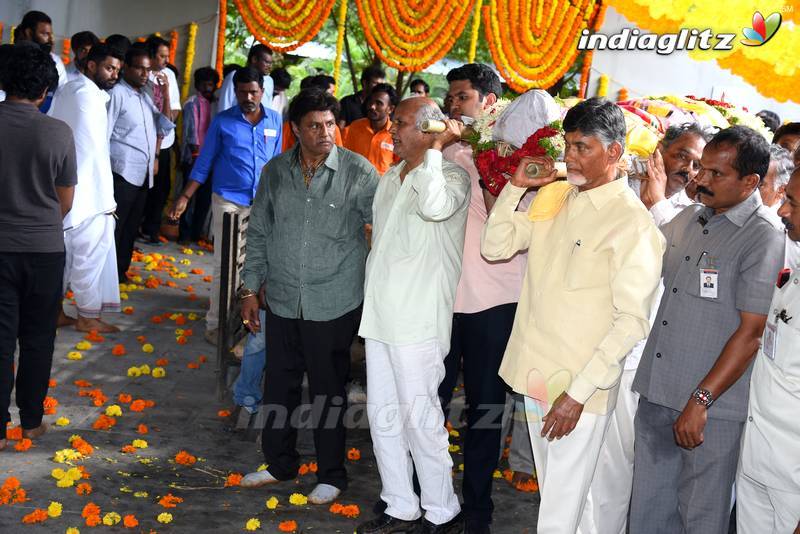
(705, 231)
(308, 200)
(658, 354)
(687, 258)
(674, 289)
(305, 244)
(750, 418)
(665, 323)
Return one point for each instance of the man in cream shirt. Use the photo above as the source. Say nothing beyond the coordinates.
(585, 303)
(419, 218)
(768, 478)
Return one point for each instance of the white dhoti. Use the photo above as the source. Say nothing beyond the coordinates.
(405, 417)
(763, 509)
(565, 469)
(91, 266)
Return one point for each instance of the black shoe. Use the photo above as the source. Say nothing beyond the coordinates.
(472, 526)
(379, 507)
(454, 526)
(386, 524)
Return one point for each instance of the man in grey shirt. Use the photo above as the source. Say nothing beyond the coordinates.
(135, 129)
(722, 258)
(306, 243)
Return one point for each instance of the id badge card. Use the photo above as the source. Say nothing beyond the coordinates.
(709, 279)
(270, 132)
(770, 340)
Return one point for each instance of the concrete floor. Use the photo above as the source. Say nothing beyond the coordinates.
(185, 417)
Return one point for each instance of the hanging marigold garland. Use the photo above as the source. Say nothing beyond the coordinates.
(1, 32)
(284, 25)
(410, 35)
(534, 42)
(223, 23)
(66, 46)
(187, 68)
(173, 46)
(11, 37)
(476, 26)
(589, 55)
(340, 32)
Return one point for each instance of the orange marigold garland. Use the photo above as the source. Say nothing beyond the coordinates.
(284, 25)
(173, 46)
(65, 49)
(534, 42)
(410, 35)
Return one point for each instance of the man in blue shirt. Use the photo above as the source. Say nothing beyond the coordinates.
(239, 142)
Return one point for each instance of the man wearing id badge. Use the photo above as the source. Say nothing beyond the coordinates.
(768, 480)
(721, 262)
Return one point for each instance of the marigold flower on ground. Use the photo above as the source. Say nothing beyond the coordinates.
(335, 508)
(162, 362)
(37, 516)
(83, 383)
(180, 321)
(252, 524)
(130, 521)
(312, 467)
(182, 340)
(67, 455)
(193, 365)
(164, 517)
(134, 372)
(90, 509)
(114, 411)
(111, 519)
(74, 355)
(141, 339)
(272, 503)
(139, 443)
(137, 406)
(144, 369)
(93, 520)
(354, 454)
(147, 347)
(202, 358)
(124, 398)
(128, 449)
(156, 319)
(52, 383)
(352, 511)
(207, 279)
(62, 421)
(50, 405)
(84, 473)
(303, 470)
(119, 350)
(83, 345)
(72, 530)
(65, 482)
(127, 310)
(223, 413)
(298, 499)
(184, 458)
(54, 510)
(14, 434)
(287, 526)
(84, 488)
(94, 336)
(104, 422)
(170, 501)
(159, 372)
(234, 479)
(193, 316)
(142, 429)
(69, 295)
(23, 445)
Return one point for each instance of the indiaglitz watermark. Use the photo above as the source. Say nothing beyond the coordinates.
(663, 44)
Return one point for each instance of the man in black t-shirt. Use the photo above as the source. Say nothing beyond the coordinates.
(353, 105)
(39, 176)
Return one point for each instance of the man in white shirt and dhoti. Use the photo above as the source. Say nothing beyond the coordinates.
(91, 259)
(419, 220)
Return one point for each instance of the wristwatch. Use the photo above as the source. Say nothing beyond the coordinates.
(703, 397)
(245, 293)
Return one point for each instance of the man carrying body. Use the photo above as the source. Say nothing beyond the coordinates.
(420, 213)
(594, 263)
(91, 259)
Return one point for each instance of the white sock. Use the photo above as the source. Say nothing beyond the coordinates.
(323, 494)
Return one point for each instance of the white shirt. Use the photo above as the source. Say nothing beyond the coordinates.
(72, 72)
(174, 102)
(62, 71)
(280, 103)
(226, 98)
(415, 263)
(82, 105)
(665, 210)
(771, 441)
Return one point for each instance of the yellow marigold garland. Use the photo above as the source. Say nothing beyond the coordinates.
(340, 31)
(534, 42)
(187, 69)
(476, 26)
(223, 23)
(410, 35)
(11, 36)
(602, 86)
(284, 25)
(770, 68)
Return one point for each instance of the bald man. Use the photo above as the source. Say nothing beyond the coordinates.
(419, 216)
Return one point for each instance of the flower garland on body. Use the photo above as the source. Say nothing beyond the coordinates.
(284, 25)
(534, 42)
(411, 35)
(340, 36)
(190, 52)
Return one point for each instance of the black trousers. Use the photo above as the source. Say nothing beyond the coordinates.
(479, 341)
(193, 219)
(320, 349)
(30, 294)
(130, 206)
(157, 196)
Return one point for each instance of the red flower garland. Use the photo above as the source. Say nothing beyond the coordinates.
(495, 169)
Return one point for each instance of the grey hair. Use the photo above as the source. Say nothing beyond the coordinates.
(674, 132)
(428, 112)
(784, 162)
(597, 117)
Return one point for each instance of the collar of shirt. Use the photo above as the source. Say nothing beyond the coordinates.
(740, 213)
(384, 129)
(600, 196)
(92, 88)
(332, 161)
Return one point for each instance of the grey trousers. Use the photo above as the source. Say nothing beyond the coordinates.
(679, 491)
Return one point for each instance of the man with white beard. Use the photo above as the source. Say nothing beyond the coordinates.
(91, 259)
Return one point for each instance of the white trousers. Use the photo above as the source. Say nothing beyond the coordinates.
(764, 510)
(219, 207)
(90, 269)
(565, 468)
(405, 422)
(610, 493)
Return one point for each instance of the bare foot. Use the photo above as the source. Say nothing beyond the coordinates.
(85, 324)
(65, 320)
(34, 433)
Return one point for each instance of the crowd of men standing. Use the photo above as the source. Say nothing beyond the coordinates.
(654, 359)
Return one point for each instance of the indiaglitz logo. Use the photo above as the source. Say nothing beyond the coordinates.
(762, 30)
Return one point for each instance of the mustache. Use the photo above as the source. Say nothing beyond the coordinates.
(702, 190)
(787, 224)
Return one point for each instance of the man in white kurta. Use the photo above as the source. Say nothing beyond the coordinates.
(768, 478)
(419, 220)
(91, 261)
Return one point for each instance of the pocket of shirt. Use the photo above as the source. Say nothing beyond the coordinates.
(586, 269)
(332, 218)
(726, 290)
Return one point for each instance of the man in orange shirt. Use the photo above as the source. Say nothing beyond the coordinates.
(370, 136)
